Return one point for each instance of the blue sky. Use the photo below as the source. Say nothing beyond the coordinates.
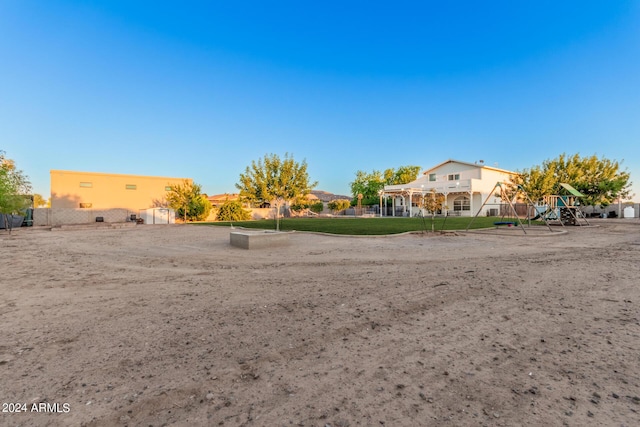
(199, 89)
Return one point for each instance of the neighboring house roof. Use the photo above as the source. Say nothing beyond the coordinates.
(479, 164)
(325, 196)
(221, 198)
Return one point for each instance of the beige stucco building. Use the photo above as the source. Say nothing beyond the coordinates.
(91, 190)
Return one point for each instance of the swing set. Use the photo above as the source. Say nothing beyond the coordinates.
(508, 215)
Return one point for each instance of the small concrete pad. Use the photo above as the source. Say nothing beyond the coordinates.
(258, 239)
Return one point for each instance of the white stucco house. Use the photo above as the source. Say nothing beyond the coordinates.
(465, 187)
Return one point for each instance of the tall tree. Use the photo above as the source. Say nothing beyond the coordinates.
(370, 184)
(601, 180)
(404, 175)
(14, 186)
(275, 180)
(188, 202)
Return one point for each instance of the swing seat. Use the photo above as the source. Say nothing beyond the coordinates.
(509, 223)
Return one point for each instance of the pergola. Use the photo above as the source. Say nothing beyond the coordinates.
(416, 192)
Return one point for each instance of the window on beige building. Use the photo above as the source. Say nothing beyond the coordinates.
(131, 186)
(86, 184)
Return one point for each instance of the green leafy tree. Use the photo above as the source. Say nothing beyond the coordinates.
(275, 181)
(199, 208)
(232, 210)
(601, 180)
(188, 202)
(370, 184)
(14, 186)
(339, 205)
(404, 175)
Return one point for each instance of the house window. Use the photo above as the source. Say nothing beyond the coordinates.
(432, 177)
(454, 177)
(86, 184)
(86, 205)
(167, 188)
(130, 186)
(462, 203)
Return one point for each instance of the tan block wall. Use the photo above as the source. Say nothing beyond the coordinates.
(61, 216)
(108, 191)
(263, 213)
(41, 216)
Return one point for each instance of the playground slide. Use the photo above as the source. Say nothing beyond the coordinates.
(544, 214)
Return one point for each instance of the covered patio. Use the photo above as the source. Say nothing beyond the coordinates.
(406, 200)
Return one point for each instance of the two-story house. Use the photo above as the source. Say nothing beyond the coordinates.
(465, 187)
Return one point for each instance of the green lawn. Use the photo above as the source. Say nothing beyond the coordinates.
(364, 226)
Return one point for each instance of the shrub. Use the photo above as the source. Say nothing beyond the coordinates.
(299, 205)
(339, 205)
(232, 210)
(317, 207)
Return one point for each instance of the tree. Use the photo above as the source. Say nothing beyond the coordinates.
(14, 186)
(370, 184)
(432, 203)
(199, 208)
(232, 210)
(599, 179)
(188, 202)
(275, 180)
(404, 175)
(38, 201)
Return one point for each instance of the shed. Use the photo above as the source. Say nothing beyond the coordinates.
(158, 216)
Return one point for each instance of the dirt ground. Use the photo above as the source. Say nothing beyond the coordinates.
(170, 325)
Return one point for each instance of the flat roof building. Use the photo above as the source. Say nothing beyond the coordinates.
(93, 190)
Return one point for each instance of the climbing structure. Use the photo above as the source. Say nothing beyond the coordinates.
(564, 208)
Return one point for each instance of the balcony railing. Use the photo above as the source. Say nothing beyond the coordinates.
(440, 186)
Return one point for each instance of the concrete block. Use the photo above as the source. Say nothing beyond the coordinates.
(258, 239)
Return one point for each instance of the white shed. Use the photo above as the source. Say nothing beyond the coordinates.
(158, 216)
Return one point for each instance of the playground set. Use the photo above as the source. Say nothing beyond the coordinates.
(564, 208)
(559, 209)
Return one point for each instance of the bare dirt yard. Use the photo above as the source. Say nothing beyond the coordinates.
(170, 325)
